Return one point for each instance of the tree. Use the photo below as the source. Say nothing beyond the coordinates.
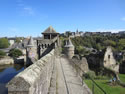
(98, 46)
(17, 40)
(109, 43)
(81, 50)
(15, 53)
(4, 43)
(2, 54)
(121, 44)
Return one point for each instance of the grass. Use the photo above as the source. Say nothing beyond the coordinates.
(116, 89)
(122, 77)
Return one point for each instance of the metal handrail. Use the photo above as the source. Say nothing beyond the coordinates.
(97, 85)
(91, 80)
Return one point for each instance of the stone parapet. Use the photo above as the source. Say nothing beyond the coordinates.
(35, 79)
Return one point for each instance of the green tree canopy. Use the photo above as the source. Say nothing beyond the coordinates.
(15, 53)
(4, 43)
(109, 43)
(121, 44)
(81, 50)
(2, 54)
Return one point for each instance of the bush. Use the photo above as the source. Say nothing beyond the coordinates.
(81, 50)
(2, 54)
(15, 53)
(90, 74)
(4, 43)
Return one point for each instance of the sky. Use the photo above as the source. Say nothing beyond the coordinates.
(31, 17)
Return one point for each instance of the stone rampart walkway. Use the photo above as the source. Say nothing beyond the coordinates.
(67, 81)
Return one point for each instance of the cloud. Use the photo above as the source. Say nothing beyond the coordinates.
(28, 10)
(25, 10)
(110, 30)
(123, 18)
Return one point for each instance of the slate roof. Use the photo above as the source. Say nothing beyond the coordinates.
(50, 30)
(30, 42)
(69, 43)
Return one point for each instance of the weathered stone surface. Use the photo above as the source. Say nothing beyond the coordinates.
(31, 52)
(81, 66)
(109, 60)
(35, 79)
(7, 60)
(70, 82)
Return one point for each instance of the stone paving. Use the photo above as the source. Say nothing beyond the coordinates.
(67, 80)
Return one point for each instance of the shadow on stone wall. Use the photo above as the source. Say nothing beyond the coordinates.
(95, 62)
(122, 67)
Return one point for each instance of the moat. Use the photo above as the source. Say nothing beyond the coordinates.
(7, 72)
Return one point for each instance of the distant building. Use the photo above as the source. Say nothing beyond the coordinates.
(106, 33)
(73, 34)
(88, 33)
(121, 32)
(11, 41)
(77, 34)
(68, 33)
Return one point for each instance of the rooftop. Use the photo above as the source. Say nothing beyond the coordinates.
(50, 30)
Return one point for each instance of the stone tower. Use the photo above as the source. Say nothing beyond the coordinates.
(69, 49)
(50, 34)
(31, 52)
(49, 41)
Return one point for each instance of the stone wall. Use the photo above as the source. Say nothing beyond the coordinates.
(69, 51)
(80, 66)
(35, 79)
(31, 55)
(6, 61)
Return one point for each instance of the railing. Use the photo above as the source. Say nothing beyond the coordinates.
(94, 86)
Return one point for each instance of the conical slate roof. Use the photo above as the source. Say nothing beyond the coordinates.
(50, 30)
(69, 43)
(30, 42)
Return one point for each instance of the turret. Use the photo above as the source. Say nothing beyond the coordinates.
(31, 52)
(69, 49)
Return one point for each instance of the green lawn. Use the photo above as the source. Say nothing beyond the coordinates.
(109, 89)
(122, 77)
